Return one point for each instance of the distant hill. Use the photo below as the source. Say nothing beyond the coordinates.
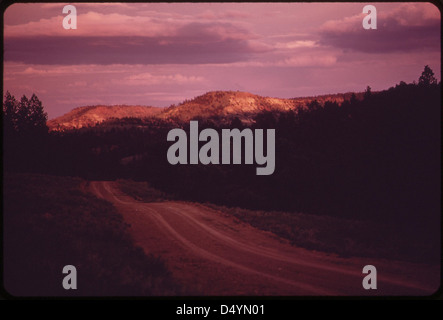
(91, 115)
(214, 104)
(240, 104)
(225, 103)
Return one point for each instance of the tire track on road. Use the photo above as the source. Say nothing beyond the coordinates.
(198, 230)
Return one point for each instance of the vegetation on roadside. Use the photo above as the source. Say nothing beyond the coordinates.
(345, 237)
(142, 191)
(51, 222)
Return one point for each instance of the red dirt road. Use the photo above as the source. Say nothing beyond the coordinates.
(213, 254)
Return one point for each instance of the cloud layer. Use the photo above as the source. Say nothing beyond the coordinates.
(209, 48)
(132, 40)
(409, 27)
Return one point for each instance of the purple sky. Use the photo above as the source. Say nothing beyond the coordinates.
(159, 54)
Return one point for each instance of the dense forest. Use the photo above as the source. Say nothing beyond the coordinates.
(374, 158)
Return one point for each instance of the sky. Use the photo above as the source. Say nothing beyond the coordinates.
(159, 54)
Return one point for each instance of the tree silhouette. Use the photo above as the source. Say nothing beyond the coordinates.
(23, 116)
(368, 92)
(26, 116)
(427, 77)
(25, 141)
(9, 112)
(313, 105)
(353, 99)
(37, 115)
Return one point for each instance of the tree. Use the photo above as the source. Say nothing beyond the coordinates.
(26, 116)
(314, 105)
(37, 115)
(25, 134)
(9, 112)
(427, 77)
(353, 99)
(265, 120)
(402, 84)
(368, 92)
(23, 117)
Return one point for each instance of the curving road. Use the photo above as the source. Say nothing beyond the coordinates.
(213, 253)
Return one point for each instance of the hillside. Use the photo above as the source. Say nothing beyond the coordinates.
(214, 104)
(241, 104)
(225, 103)
(91, 115)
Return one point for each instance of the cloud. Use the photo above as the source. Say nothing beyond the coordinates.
(96, 24)
(232, 14)
(77, 84)
(147, 78)
(20, 69)
(145, 23)
(127, 50)
(89, 5)
(117, 38)
(409, 27)
(196, 31)
(296, 44)
(295, 59)
(308, 60)
(213, 45)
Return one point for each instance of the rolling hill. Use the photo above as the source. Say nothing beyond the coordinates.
(240, 104)
(91, 115)
(225, 103)
(214, 104)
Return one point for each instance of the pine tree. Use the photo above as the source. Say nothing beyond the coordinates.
(368, 92)
(23, 115)
(26, 116)
(37, 115)
(427, 77)
(10, 105)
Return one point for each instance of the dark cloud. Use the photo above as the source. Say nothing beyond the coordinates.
(124, 50)
(389, 37)
(195, 43)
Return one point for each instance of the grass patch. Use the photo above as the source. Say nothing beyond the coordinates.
(345, 237)
(142, 191)
(49, 222)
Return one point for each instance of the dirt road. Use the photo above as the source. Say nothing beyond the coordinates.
(212, 253)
